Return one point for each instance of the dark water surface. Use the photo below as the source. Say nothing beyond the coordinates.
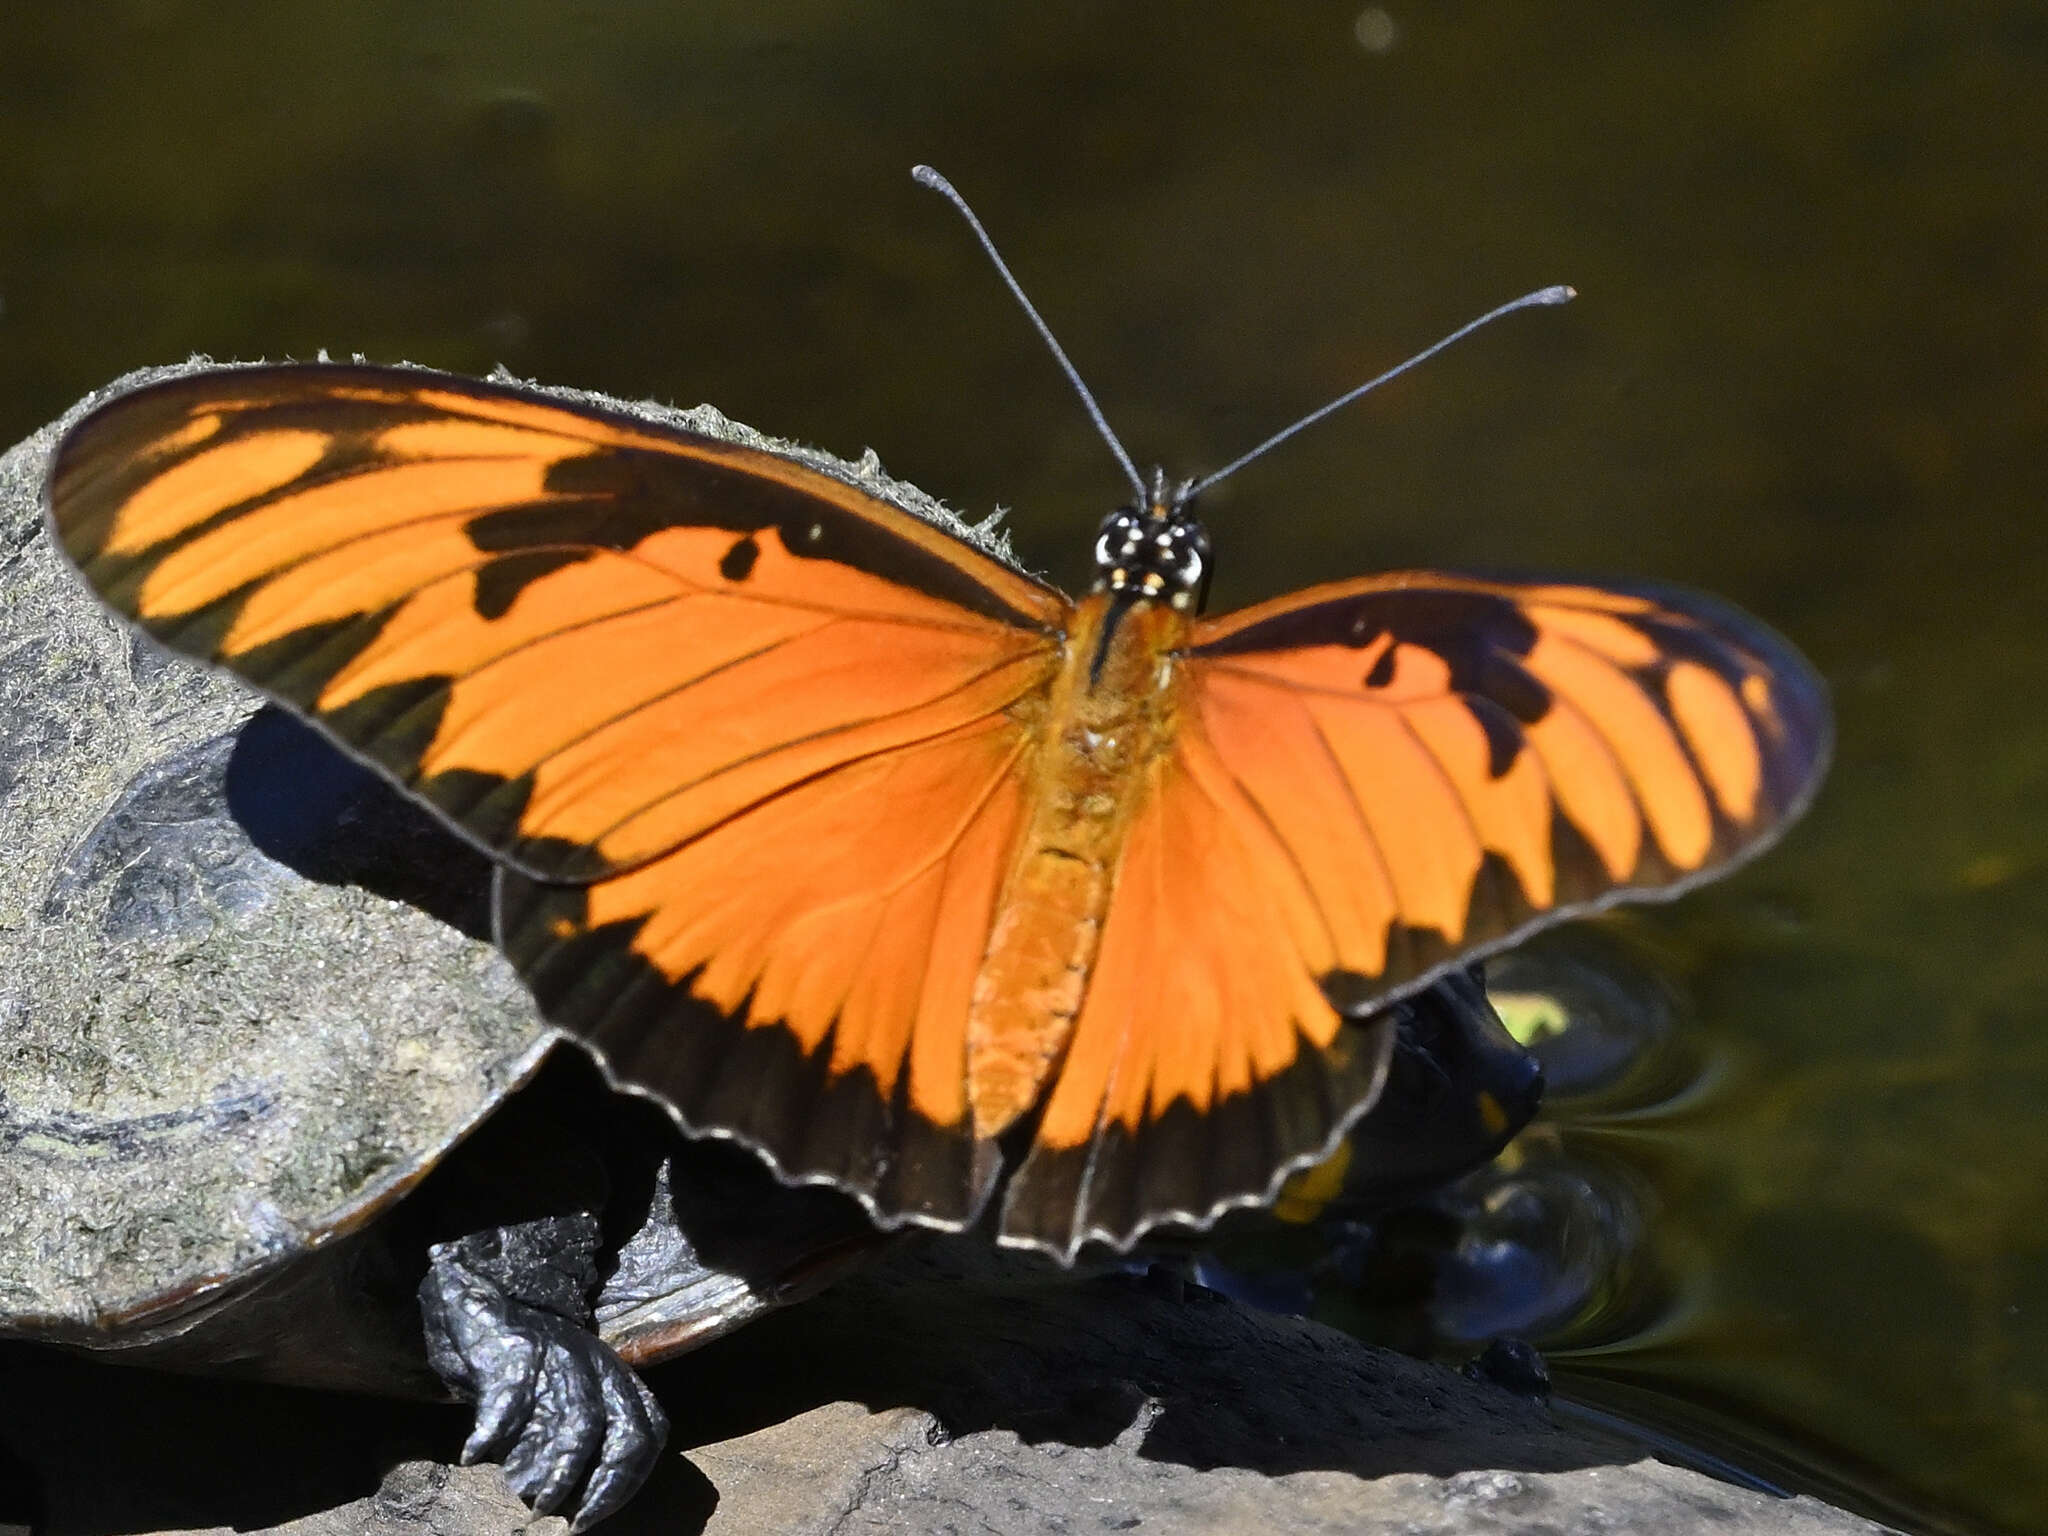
(1809, 372)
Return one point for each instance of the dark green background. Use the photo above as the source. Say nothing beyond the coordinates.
(1809, 371)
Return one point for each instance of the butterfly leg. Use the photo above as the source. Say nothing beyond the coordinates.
(507, 1318)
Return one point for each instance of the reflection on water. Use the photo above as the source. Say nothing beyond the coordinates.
(1567, 1239)
(1545, 1250)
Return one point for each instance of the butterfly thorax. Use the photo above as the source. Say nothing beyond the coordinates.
(1103, 740)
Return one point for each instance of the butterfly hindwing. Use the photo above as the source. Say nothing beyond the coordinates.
(1206, 1061)
(800, 978)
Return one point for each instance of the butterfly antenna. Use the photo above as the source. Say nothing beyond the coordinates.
(925, 176)
(1558, 294)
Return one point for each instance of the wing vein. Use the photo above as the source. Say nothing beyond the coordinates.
(649, 701)
(1443, 773)
(1284, 684)
(1593, 728)
(1287, 849)
(285, 494)
(949, 844)
(782, 746)
(1372, 841)
(820, 773)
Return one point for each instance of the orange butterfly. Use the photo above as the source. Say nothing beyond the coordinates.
(847, 840)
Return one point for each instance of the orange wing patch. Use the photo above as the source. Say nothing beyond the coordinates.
(1449, 763)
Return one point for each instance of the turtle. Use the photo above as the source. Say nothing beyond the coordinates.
(249, 1006)
(272, 1104)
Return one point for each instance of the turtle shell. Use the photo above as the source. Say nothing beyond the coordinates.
(218, 1049)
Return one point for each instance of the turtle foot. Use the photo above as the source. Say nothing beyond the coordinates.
(507, 1326)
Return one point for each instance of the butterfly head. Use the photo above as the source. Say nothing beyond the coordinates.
(1159, 551)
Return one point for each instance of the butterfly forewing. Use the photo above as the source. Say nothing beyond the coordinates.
(1445, 763)
(574, 634)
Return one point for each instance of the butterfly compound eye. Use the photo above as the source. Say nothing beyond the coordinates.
(1161, 557)
(1118, 544)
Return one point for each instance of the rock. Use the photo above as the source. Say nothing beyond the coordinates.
(947, 1390)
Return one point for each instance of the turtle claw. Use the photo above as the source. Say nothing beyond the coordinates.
(554, 1404)
(561, 1437)
(635, 1429)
